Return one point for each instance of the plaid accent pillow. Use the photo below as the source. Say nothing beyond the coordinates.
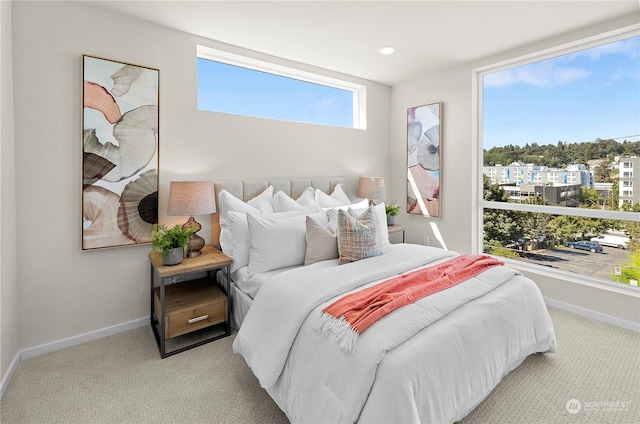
(357, 237)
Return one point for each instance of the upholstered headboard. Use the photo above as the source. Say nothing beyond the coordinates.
(247, 190)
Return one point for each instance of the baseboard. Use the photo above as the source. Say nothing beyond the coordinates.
(83, 338)
(7, 377)
(599, 316)
(71, 341)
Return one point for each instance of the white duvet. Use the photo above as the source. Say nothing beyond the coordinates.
(432, 361)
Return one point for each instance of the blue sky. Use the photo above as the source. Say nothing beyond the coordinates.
(232, 89)
(594, 93)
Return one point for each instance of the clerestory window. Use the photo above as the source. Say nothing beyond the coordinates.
(229, 83)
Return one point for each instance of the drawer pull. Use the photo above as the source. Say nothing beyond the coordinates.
(203, 317)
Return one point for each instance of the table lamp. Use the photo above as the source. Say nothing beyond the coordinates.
(189, 198)
(371, 188)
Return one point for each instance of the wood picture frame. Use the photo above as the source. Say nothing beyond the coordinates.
(120, 140)
(424, 160)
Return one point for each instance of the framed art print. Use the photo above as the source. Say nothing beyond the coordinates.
(120, 137)
(424, 160)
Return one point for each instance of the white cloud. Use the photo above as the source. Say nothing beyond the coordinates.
(629, 47)
(541, 74)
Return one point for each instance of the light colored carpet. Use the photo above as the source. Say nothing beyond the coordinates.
(121, 379)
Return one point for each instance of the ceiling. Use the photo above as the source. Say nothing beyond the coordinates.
(345, 36)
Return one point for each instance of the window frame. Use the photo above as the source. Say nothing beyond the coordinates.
(359, 91)
(477, 163)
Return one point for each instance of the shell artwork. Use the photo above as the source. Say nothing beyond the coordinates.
(138, 209)
(435, 109)
(136, 135)
(429, 149)
(97, 97)
(94, 167)
(424, 159)
(414, 131)
(120, 153)
(99, 223)
(135, 85)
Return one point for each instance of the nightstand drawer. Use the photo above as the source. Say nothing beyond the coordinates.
(191, 306)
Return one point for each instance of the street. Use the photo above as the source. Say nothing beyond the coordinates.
(600, 265)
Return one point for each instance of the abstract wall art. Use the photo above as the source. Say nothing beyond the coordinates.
(120, 138)
(424, 160)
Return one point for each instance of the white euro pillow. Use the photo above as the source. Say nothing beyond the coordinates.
(308, 197)
(263, 201)
(283, 203)
(337, 198)
(361, 205)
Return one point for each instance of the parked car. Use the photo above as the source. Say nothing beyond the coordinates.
(591, 246)
(620, 242)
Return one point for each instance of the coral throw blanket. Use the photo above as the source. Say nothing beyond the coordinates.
(354, 313)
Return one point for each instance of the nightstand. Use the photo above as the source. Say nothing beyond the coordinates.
(182, 303)
(396, 229)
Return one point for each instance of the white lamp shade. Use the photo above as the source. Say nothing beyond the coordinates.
(189, 198)
(371, 188)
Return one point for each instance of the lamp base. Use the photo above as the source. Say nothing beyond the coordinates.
(195, 243)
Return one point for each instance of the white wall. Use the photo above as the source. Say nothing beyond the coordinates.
(453, 87)
(8, 264)
(64, 292)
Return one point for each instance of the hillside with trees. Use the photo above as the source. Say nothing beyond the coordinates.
(561, 154)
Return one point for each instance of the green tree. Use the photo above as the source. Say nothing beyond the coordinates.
(501, 226)
(630, 269)
(591, 198)
(603, 171)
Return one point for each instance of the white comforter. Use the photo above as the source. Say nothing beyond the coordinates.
(432, 361)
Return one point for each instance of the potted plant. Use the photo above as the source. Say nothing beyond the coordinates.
(392, 210)
(170, 242)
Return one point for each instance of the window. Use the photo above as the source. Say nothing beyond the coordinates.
(547, 113)
(230, 83)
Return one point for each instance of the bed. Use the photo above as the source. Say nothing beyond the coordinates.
(433, 360)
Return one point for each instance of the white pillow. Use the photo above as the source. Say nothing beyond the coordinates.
(308, 197)
(282, 202)
(380, 212)
(337, 198)
(278, 242)
(263, 201)
(322, 243)
(360, 206)
(229, 203)
(240, 237)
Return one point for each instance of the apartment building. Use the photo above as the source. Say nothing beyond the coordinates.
(628, 180)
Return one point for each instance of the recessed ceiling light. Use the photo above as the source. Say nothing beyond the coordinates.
(387, 50)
